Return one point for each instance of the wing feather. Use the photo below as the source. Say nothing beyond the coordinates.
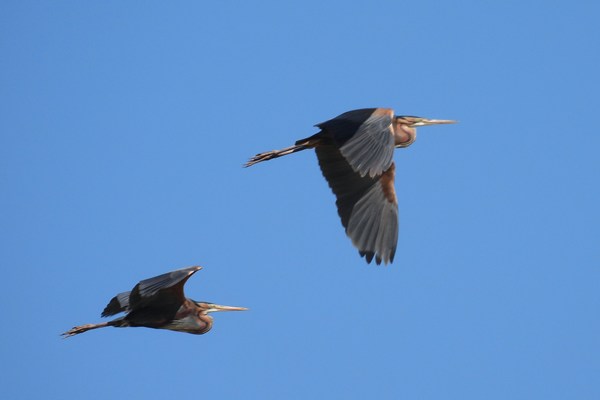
(166, 285)
(117, 304)
(365, 138)
(366, 205)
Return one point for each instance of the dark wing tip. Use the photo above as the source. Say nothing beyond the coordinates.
(368, 255)
(392, 254)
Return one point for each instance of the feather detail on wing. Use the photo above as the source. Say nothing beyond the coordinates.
(366, 205)
(365, 138)
(167, 285)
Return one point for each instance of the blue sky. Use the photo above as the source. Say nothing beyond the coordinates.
(123, 128)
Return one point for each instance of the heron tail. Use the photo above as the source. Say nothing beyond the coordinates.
(84, 328)
(300, 145)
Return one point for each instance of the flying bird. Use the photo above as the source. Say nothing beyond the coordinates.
(159, 303)
(355, 152)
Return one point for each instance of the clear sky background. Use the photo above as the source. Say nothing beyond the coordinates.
(123, 130)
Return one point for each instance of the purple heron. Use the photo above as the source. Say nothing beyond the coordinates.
(355, 152)
(159, 303)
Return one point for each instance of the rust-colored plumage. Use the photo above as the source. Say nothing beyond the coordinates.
(355, 153)
(159, 303)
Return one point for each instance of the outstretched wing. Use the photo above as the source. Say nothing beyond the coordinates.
(169, 286)
(367, 205)
(365, 138)
(164, 289)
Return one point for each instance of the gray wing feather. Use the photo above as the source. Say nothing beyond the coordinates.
(370, 219)
(373, 226)
(370, 150)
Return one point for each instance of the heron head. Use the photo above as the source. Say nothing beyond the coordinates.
(405, 131)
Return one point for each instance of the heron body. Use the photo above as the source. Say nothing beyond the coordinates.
(159, 303)
(355, 153)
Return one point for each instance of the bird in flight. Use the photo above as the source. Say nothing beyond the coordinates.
(159, 303)
(355, 152)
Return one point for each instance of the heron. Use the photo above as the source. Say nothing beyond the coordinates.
(355, 154)
(159, 303)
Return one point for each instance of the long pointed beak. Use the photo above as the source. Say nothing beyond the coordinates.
(216, 307)
(425, 122)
